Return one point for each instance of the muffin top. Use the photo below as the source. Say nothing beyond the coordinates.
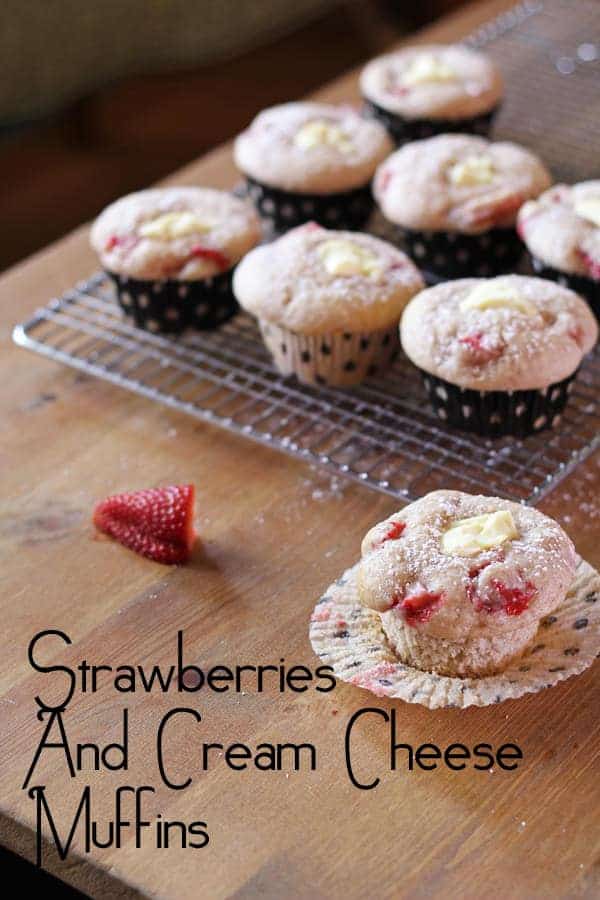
(506, 333)
(312, 148)
(433, 81)
(562, 228)
(316, 281)
(183, 233)
(457, 182)
(459, 566)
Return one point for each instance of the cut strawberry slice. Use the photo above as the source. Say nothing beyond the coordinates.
(418, 608)
(577, 334)
(480, 348)
(394, 531)
(511, 600)
(592, 265)
(156, 523)
(384, 180)
(127, 241)
(211, 254)
(476, 570)
(398, 90)
(495, 210)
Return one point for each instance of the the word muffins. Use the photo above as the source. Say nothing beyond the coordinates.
(462, 582)
(418, 92)
(453, 201)
(561, 230)
(171, 254)
(328, 302)
(311, 161)
(498, 356)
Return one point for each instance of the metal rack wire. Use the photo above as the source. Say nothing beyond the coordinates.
(381, 434)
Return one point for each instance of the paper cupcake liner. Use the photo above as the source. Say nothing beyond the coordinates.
(337, 360)
(402, 131)
(350, 638)
(497, 413)
(169, 306)
(588, 288)
(423, 651)
(346, 210)
(449, 254)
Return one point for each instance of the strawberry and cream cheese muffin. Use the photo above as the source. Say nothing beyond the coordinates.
(498, 355)
(462, 582)
(312, 161)
(327, 302)
(561, 230)
(418, 92)
(171, 253)
(453, 201)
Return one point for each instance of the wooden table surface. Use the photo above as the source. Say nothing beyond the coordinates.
(274, 534)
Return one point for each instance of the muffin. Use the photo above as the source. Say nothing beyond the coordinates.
(421, 91)
(312, 161)
(461, 582)
(498, 355)
(171, 252)
(327, 302)
(561, 230)
(452, 200)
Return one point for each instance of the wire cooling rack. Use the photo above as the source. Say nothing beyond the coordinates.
(382, 433)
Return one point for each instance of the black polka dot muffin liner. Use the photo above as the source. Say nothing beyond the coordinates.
(347, 210)
(336, 360)
(448, 254)
(349, 637)
(498, 413)
(587, 288)
(169, 306)
(402, 131)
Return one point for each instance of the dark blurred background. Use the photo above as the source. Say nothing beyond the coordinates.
(97, 99)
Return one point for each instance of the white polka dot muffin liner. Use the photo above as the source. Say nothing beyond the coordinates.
(346, 210)
(449, 254)
(169, 306)
(498, 413)
(587, 288)
(403, 130)
(349, 637)
(337, 360)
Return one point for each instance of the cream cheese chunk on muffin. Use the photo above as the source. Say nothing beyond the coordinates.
(507, 333)
(311, 161)
(331, 299)
(433, 81)
(461, 582)
(184, 233)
